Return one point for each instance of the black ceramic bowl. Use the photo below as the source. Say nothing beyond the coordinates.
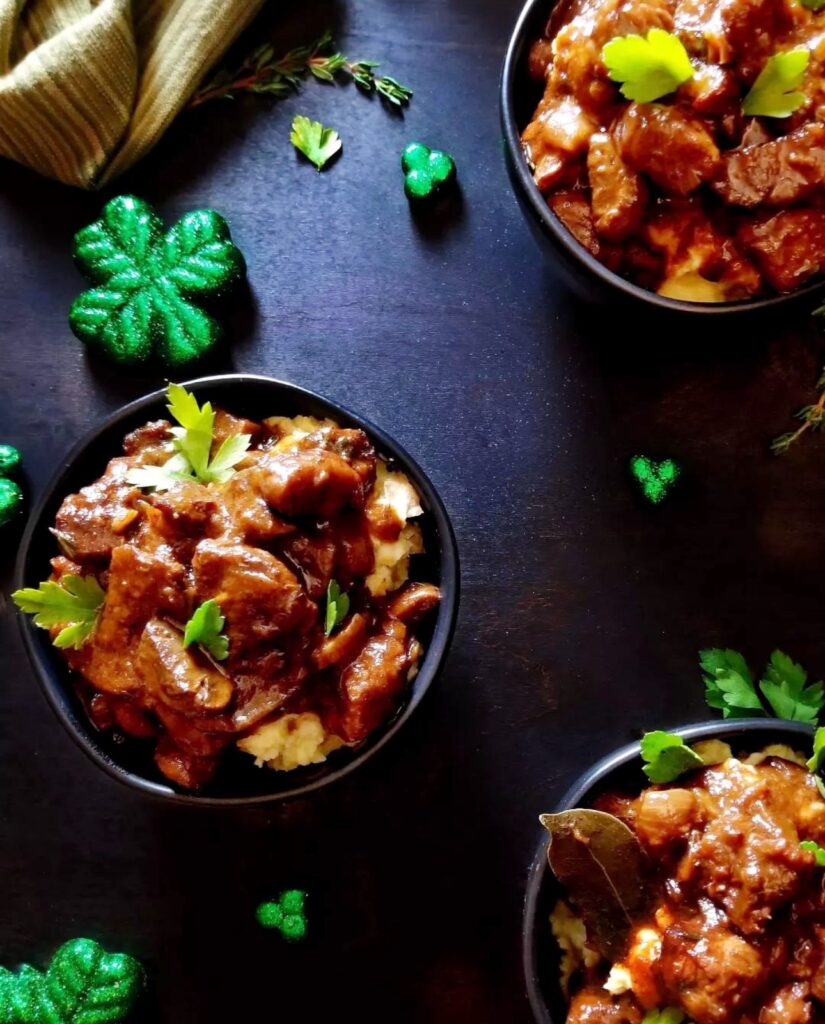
(238, 780)
(619, 771)
(591, 279)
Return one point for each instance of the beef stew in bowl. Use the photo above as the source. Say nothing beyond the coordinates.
(235, 624)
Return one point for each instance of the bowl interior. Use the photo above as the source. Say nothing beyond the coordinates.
(237, 780)
(519, 96)
(619, 772)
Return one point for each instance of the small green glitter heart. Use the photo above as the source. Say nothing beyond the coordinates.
(656, 478)
(286, 914)
(427, 172)
(82, 985)
(147, 283)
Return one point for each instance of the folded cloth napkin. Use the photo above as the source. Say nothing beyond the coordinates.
(88, 86)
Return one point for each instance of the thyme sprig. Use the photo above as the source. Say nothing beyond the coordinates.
(812, 416)
(262, 72)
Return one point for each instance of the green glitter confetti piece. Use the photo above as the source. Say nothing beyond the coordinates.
(427, 172)
(656, 478)
(144, 279)
(11, 501)
(10, 460)
(286, 915)
(82, 985)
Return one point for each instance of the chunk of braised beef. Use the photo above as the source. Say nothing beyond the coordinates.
(354, 554)
(670, 145)
(574, 211)
(247, 514)
(617, 193)
(259, 596)
(560, 128)
(724, 31)
(311, 555)
(711, 90)
(226, 425)
(187, 508)
(775, 173)
(184, 769)
(788, 246)
(595, 1006)
(152, 436)
(87, 522)
(371, 684)
(311, 482)
(267, 677)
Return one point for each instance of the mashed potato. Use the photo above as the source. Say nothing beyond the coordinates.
(291, 741)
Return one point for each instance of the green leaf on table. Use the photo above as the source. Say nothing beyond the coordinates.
(816, 850)
(337, 607)
(73, 602)
(647, 67)
(206, 628)
(667, 756)
(786, 689)
(729, 685)
(317, 143)
(775, 92)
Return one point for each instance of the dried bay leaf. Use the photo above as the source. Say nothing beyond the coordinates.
(600, 863)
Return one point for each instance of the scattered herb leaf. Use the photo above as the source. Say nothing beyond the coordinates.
(816, 850)
(337, 607)
(192, 443)
(774, 93)
(667, 756)
(205, 628)
(648, 68)
(729, 685)
(786, 689)
(261, 72)
(813, 5)
(812, 416)
(317, 143)
(74, 602)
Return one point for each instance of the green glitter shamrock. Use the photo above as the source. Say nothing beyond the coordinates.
(656, 478)
(143, 280)
(427, 172)
(286, 914)
(11, 496)
(83, 985)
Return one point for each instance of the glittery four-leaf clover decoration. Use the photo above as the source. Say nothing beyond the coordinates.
(11, 495)
(286, 914)
(427, 172)
(82, 985)
(144, 281)
(655, 478)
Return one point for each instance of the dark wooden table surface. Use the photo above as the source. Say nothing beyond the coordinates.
(583, 608)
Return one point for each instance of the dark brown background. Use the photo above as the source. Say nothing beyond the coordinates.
(583, 608)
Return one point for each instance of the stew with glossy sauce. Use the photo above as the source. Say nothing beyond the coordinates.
(310, 502)
(686, 196)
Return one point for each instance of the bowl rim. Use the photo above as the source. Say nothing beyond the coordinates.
(577, 793)
(55, 690)
(553, 227)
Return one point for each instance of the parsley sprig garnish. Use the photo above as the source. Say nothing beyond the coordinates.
(667, 756)
(262, 72)
(816, 850)
(668, 1015)
(73, 602)
(192, 444)
(205, 627)
(775, 92)
(730, 687)
(647, 67)
(337, 607)
(318, 143)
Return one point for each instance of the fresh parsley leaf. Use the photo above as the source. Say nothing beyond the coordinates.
(192, 442)
(819, 750)
(337, 607)
(813, 5)
(73, 602)
(648, 68)
(729, 684)
(670, 1015)
(816, 850)
(786, 690)
(774, 92)
(317, 143)
(667, 756)
(205, 628)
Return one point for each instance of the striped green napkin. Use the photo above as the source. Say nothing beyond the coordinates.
(88, 86)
